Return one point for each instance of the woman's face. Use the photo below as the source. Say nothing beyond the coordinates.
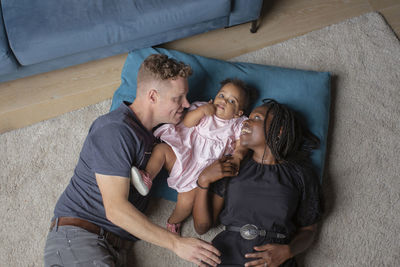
(252, 134)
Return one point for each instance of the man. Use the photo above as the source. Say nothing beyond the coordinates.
(99, 210)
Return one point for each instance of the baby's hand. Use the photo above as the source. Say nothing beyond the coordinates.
(208, 109)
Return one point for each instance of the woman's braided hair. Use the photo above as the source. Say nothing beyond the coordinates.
(286, 138)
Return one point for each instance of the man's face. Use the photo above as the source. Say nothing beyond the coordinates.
(173, 101)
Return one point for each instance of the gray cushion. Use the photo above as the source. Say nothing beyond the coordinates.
(42, 30)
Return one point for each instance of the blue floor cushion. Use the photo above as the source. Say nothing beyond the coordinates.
(306, 92)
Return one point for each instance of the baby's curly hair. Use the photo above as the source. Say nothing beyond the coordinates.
(160, 67)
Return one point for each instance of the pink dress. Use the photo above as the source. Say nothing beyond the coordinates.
(199, 146)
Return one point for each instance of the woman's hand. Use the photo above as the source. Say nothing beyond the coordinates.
(236, 161)
(217, 170)
(275, 254)
(271, 254)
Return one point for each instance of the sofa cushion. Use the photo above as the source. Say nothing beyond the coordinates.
(307, 92)
(244, 10)
(44, 30)
(7, 60)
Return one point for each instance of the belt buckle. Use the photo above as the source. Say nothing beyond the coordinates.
(249, 231)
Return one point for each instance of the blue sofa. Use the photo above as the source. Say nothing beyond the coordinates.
(38, 36)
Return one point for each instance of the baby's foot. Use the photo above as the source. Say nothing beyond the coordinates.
(174, 228)
(141, 181)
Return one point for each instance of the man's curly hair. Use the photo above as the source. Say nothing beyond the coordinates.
(160, 67)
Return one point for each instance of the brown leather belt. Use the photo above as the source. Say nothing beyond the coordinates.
(112, 239)
(88, 226)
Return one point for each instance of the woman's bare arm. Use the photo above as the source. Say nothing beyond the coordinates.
(206, 209)
(207, 206)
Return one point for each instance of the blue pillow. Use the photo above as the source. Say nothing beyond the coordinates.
(306, 92)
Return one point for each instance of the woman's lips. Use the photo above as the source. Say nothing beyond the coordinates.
(245, 130)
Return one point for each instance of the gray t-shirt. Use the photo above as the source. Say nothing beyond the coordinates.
(115, 142)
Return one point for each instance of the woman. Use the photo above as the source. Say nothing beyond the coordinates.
(271, 208)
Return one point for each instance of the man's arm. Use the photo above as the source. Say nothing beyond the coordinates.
(115, 191)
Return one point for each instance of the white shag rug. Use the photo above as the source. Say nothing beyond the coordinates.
(361, 226)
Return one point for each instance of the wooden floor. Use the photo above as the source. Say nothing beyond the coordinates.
(36, 98)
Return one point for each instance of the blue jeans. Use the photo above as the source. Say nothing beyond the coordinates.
(74, 246)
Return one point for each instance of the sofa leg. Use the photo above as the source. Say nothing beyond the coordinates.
(254, 27)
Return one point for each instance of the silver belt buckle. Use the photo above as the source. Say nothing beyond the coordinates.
(249, 231)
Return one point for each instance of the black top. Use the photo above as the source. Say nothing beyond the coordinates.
(115, 142)
(278, 198)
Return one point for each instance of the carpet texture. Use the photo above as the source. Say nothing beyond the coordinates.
(361, 226)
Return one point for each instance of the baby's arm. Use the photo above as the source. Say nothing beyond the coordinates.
(239, 153)
(193, 117)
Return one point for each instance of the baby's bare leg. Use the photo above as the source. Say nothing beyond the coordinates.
(162, 155)
(184, 206)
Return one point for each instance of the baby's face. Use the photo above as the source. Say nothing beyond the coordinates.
(229, 102)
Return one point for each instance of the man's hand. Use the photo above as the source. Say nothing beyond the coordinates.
(197, 251)
(272, 254)
(121, 212)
